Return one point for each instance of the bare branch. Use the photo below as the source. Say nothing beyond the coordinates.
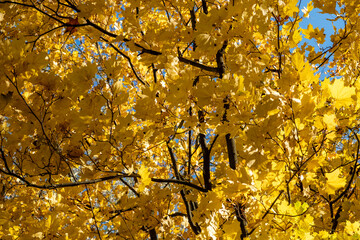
(189, 184)
(198, 65)
(204, 6)
(231, 148)
(129, 60)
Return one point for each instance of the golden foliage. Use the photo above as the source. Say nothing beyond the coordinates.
(184, 119)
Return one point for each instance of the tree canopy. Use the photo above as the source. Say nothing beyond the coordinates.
(179, 119)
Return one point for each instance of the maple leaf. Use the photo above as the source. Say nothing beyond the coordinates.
(341, 94)
(145, 179)
(178, 120)
(334, 182)
(330, 121)
(71, 25)
(4, 99)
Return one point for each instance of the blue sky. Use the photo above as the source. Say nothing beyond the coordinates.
(317, 19)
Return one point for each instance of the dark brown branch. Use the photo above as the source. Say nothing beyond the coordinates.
(173, 163)
(189, 184)
(220, 59)
(327, 58)
(226, 108)
(271, 206)
(198, 65)
(104, 31)
(93, 214)
(56, 11)
(196, 80)
(154, 72)
(74, 184)
(231, 148)
(213, 142)
(193, 19)
(335, 220)
(129, 61)
(130, 187)
(195, 227)
(353, 172)
(205, 154)
(100, 29)
(206, 162)
(118, 212)
(189, 150)
(44, 33)
(204, 6)
(50, 144)
(38, 9)
(71, 5)
(230, 142)
(17, 3)
(167, 13)
(303, 164)
(240, 216)
(153, 235)
(334, 45)
(278, 43)
(177, 214)
(64, 185)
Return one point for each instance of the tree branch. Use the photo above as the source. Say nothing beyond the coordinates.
(204, 6)
(189, 184)
(335, 220)
(93, 213)
(206, 160)
(153, 235)
(240, 216)
(198, 65)
(193, 19)
(353, 173)
(173, 163)
(154, 72)
(273, 203)
(195, 227)
(220, 59)
(231, 149)
(129, 60)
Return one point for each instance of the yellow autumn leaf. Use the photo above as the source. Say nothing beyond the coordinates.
(300, 126)
(296, 37)
(333, 181)
(39, 235)
(137, 106)
(48, 222)
(298, 60)
(273, 112)
(306, 10)
(331, 135)
(145, 177)
(317, 34)
(117, 87)
(352, 228)
(290, 8)
(5, 99)
(341, 94)
(204, 40)
(14, 231)
(330, 121)
(308, 32)
(323, 235)
(232, 230)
